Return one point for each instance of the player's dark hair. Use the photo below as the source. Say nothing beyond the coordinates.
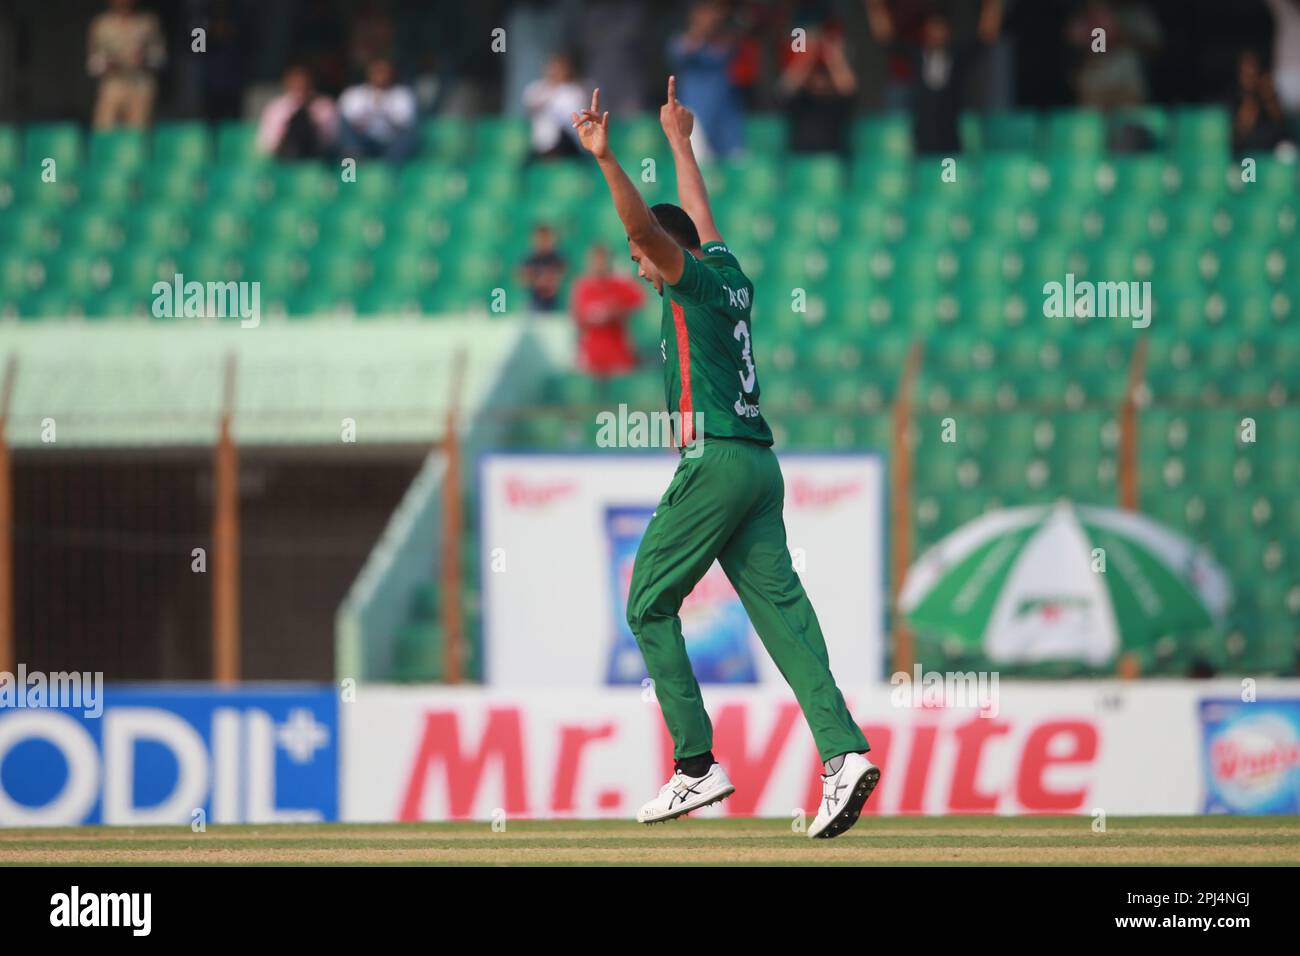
(677, 224)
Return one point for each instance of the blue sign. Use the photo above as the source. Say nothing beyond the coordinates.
(715, 627)
(173, 756)
(1251, 756)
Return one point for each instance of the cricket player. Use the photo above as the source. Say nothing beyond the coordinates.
(726, 499)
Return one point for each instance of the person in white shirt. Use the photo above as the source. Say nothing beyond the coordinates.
(551, 102)
(377, 118)
(1286, 53)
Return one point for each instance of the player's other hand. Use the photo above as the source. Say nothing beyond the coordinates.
(593, 127)
(676, 119)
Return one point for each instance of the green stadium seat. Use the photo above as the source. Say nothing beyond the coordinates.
(1141, 178)
(233, 186)
(21, 273)
(766, 134)
(58, 141)
(1078, 133)
(115, 187)
(355, 226)
(11, 148)
(30, 230)
(285, 224)
(339, 272)
(31, 189)
(1276, 178)
(138, 266)
(432, 183)
(814, 178)
(879, 180)
(97, 230)
(494, 182)
(1075, 176)
(52, 303)
(237, 145)
(223, 227)
(118, 303)
(121, 149)
(1198, 175)
(883, 138)
(1009, 132)
(281, 271)
(185, 145)
(447, 138)
(376, 184)
(80, 272)
(638, 138)
(310, 183)
(1153, 119)
(1015, 177)
(503, 137)
(1200, 131)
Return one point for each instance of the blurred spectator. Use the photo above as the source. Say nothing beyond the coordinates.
(602, 302)
(220, 70)
(701, 58)
(534, 29)
(902, 26)
(1116, 78)
(542, 273)
(937, 111)
(551, 100)
(319, 42)
(1257, 121)
(1286, 53)
(378, 116)
(818, 85)
(613, 41)
(753, 24)
(300, 123)
(371, 34)
(124, 50)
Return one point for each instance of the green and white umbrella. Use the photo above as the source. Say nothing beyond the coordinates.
(1028, 584)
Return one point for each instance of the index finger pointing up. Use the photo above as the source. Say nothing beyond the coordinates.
(672, 89)
(595, 100)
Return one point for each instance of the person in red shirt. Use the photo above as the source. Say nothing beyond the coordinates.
(602, 301)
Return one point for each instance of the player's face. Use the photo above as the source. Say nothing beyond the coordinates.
(645, 268)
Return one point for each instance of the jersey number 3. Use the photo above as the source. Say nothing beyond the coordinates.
(750, 375)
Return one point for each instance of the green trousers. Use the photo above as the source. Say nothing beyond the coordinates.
(726, 504)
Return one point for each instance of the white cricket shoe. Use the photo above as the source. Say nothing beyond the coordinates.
(843, 795)
(682, 794)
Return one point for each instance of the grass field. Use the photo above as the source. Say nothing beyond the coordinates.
(887, 841)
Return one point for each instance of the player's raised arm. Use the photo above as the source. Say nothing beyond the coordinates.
(678, 122)
(638, 222)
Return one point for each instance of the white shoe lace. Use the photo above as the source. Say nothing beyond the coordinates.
(831, 791)
(678, 786)
(676, 783)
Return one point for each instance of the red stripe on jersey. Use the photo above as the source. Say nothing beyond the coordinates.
(684, 405)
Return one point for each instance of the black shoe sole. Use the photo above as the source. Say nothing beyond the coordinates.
(683, 813)
(853, 806)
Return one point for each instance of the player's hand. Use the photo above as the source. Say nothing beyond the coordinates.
(676, 119)
(593, 127)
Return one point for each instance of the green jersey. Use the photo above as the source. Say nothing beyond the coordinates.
(709, 374)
